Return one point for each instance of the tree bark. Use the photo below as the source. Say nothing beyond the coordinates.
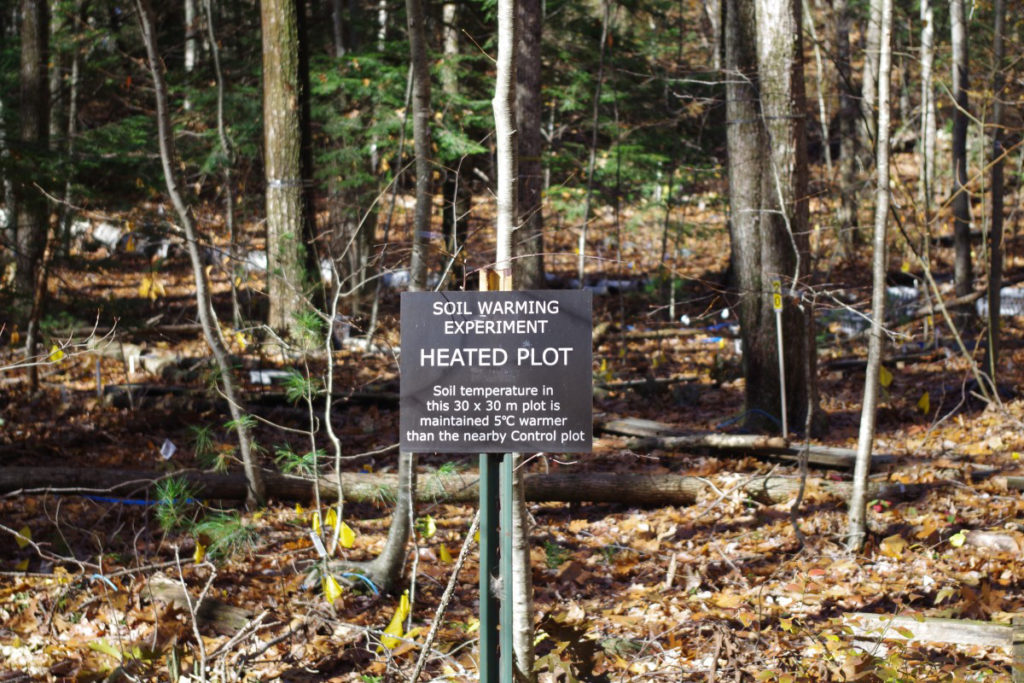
(337, 28)
(768, 201)
(995, 274)
(207, 316)
(926, 143)
(33, 219)
(282, 148)
(848, 116)
(869, 73)
(32, 223)
(528, 241)
(962, 268)
(450, 48)
(582, 487)
(386, 569)
(191, 36)
(869, 408)
(226, 161)
(595, 121)
(421, 144)
(506, 158)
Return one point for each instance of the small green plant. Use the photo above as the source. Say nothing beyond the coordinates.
(298, 386)
(227, 534)
(247, 421)
(451, 468)
(608, 552)
(290, 462)
(202, 444)
(309, 326)
(174, 499)
(554, 554)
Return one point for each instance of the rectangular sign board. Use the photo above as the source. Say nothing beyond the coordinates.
(496, 372)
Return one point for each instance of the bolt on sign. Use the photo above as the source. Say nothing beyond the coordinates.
(496, 372)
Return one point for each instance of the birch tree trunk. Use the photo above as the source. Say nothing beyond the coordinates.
(207, 316)
(191, 36)
(926, 142)
(450, 48)
(595, 120)
(506, 157)
(869, 73)
(421, 144)
(858, 501)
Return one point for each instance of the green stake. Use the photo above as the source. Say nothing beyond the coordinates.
(489, 605)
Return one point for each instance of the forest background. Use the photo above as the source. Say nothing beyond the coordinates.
(209, 209)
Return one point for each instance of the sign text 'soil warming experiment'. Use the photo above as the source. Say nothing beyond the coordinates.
(496, 372)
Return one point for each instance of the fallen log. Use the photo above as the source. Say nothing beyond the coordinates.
(579, 487)
(646, 383)
(757, 445)
(650, 434)
(929, 629)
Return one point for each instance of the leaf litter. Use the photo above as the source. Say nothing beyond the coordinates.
(622, 593)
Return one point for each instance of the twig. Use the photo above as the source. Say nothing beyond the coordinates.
(445, 598)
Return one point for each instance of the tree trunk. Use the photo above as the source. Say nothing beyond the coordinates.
(450, 48)
(33, 219)
(528, 241)
(768, 191)
(337, 28)
(386, 569)
(995, 275)
(227, 160)
(869, 407)
(282, 148)
(191, 36)
(926, 143)
(506, 157)
(421, 143)
(32, 223)
(71, 129)
(848, 116)
(57, 65)
(962, 267)
(869, 73)
(595, 121)
(211, 327)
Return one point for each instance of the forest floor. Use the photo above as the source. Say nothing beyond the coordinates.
(719, 590)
